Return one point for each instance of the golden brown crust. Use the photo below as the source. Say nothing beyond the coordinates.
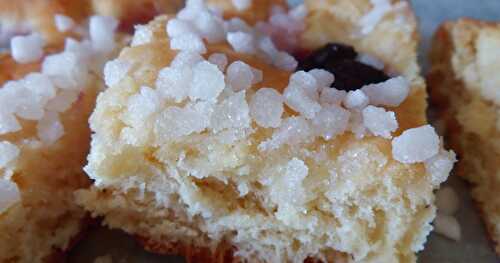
(192, 254)
(454, 92)
(223, 254)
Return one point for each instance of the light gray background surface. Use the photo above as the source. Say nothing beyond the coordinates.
(474, 246)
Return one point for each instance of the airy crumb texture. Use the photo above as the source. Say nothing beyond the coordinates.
(465, 85)
(185, 157)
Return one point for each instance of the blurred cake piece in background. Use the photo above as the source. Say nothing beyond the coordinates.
(464, 82)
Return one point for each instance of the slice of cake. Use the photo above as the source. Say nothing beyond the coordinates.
(465, 87)
(213, 142)
(47, 94)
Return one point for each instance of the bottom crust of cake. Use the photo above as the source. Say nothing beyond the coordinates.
(223, 254)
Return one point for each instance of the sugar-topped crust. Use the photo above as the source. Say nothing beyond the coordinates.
(47, 218)
(23, 17)
(465, 88)
(50, 141)
(136, 181)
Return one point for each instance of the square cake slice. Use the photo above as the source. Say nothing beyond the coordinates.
(219, 145)
(465, 86)
(46, 96)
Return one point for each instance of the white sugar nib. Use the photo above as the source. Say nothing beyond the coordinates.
(186, 59)
(26, 49)
(390, 93)
(207, 83)
(241, 5)
(102, 32)
(142, 105)
(416, 145)
(331, 96)
(323, 77)
(302, 94)
(66, 70)
(82, 50)
(142, 35)
(177, 27)
(356, 99)
(285, 61)
(293, 131)
(440, 166)
(8, 123)
(195, 4)
(331, 121)
(9, 194)
(50, 128)
(40, 86)
(8, 153)
(219, 59)
(210, 27)
(232, 112)
(62, 101)
(379, 121)
(239, 76)
(63, 23)
(32, 92)
(174, 82)
(175, 122)
(188, 42)
(258, 76)
(115, 70)
(267, 46)
(356, 124)
(237, 24)
(241, 42)
(266, 107)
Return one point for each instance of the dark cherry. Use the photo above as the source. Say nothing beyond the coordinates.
(340, 59)
(329, 52)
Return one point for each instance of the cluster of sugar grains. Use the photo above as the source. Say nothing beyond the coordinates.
(285, 27)
(380, 9)
(199, 96)
(26, 49)
(196, 22)
(43, 96)
(326, 112)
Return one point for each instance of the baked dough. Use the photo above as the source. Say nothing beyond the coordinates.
(465, 89)
(217, 197)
